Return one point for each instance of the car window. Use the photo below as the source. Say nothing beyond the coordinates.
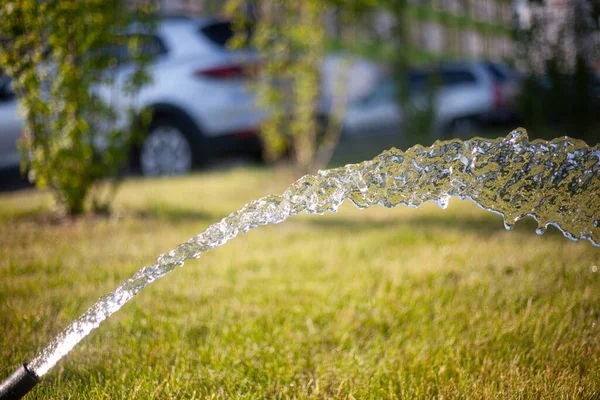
(418, 81)
(425, 80)
(220, 33)
(498, 75)
(6, 92)
(454, 77)
(150, 47)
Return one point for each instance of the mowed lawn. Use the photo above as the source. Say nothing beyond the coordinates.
(399, 303)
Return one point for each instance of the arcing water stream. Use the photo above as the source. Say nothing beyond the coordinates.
(557, 183)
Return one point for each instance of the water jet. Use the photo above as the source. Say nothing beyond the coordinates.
(555, 182)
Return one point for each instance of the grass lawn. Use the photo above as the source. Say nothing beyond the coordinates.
(380, 303)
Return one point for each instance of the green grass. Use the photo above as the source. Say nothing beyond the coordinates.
(400, 303)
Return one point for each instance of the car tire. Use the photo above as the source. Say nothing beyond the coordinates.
(166, 150)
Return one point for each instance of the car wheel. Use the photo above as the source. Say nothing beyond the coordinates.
(166, 150)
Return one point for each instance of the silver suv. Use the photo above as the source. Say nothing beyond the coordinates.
(471, 95)
(466, 96)
(201, 107)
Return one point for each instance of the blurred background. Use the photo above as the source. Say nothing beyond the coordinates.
(307, 84)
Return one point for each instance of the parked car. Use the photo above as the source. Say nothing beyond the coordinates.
(466, 96)
(475, 94)
(198, 97)
(10, 126)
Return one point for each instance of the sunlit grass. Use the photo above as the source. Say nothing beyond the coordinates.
(365, 304)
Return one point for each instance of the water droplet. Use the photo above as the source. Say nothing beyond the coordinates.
(594, 268)
(443, 202)
(508, 225)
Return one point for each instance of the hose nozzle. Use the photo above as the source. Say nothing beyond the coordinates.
(18, 384)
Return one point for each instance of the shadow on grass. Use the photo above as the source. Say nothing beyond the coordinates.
(175, 214)
(483, 225)
(161, 212)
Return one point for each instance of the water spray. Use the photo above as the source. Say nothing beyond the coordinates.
(557, 183)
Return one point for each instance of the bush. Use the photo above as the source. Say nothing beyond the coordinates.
(560, 94)
(56, 51)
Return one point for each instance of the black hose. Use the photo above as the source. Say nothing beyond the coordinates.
(18, 384)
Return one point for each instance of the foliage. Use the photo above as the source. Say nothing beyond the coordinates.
(418, 111)
(561, 90)
(290, 38)
(56, 52)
